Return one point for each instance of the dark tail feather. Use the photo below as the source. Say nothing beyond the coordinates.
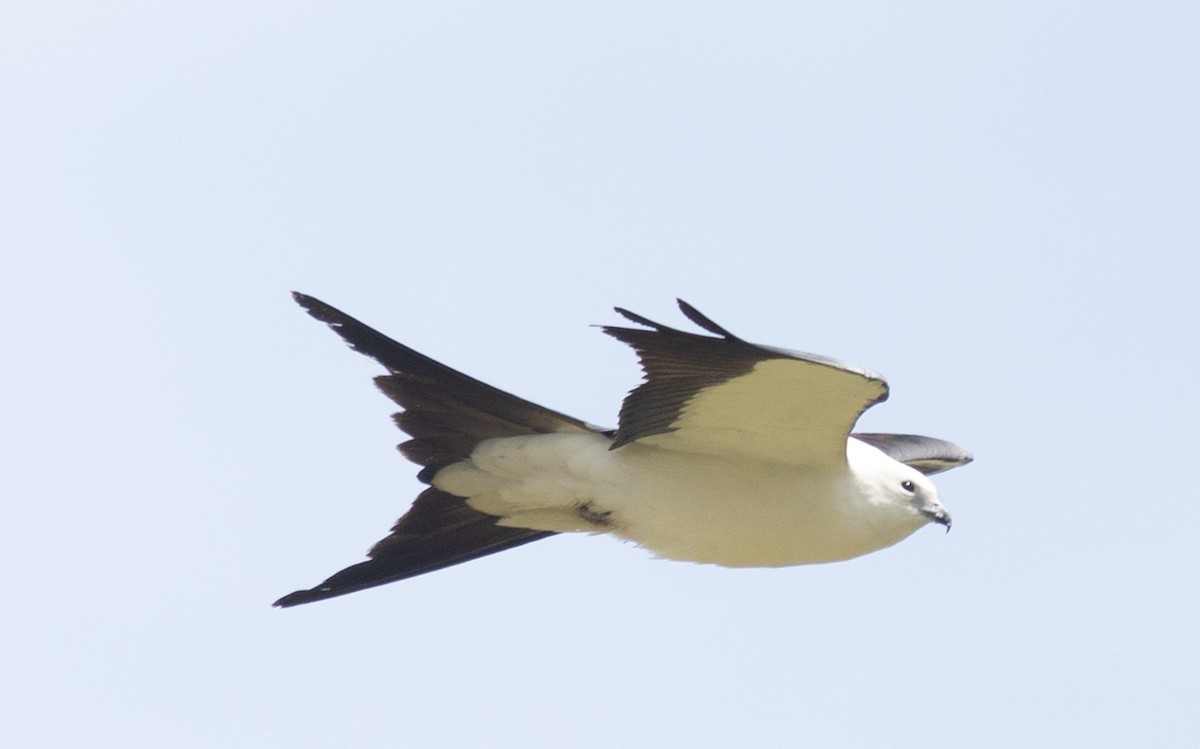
(439, 531)
(447, 414)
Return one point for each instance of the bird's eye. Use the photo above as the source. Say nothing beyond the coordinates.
(908, 486)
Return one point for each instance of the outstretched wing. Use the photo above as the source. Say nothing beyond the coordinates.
(446, 413)
(721, 395)
(927, 454)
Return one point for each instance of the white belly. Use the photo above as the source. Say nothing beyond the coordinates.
(737, 513)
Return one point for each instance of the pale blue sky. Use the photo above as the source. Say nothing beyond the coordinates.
(995, 205)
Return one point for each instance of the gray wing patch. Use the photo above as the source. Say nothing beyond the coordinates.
(926, 454)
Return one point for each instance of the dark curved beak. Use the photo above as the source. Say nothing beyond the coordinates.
(938, 515)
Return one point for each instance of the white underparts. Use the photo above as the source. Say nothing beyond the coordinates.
(735, 512)
(546, 482)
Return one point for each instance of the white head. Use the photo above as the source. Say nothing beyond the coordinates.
(893, 486)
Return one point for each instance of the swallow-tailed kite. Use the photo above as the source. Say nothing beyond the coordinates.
(729, 453)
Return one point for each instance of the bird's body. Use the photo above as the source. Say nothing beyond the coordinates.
(730, 453)
(735, 512)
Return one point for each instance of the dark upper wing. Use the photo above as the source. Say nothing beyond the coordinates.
(446, 413)
(926, 454)
(725, 396)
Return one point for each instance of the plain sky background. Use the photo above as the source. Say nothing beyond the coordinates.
(997, 205)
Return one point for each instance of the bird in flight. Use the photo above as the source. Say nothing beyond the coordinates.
(729, 453)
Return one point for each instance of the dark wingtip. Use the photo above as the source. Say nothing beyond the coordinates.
(318, 309)
(319, 593)
(634, 317)
(295, 599)
(304, 300)
(690, 312)
(704, 321)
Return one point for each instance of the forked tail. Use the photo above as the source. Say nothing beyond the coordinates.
(446, 414)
